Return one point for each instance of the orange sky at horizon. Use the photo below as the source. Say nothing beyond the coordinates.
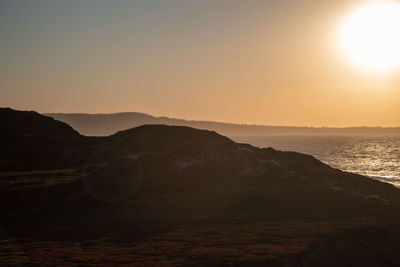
(255, 62)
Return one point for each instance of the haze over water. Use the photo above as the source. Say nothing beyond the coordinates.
(376, 156)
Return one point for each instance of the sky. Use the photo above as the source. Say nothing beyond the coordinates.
(255, 62)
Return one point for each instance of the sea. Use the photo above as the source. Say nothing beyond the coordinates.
(376, 156)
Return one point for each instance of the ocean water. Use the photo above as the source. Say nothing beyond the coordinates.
(377, 156)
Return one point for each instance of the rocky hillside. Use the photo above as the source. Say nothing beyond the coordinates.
(172, 159)
(180, 194)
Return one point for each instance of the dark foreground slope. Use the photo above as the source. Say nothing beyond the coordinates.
(172, 196)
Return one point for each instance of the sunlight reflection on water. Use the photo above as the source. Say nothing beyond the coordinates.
(377, 156)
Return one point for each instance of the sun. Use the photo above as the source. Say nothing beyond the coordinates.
(370, 36)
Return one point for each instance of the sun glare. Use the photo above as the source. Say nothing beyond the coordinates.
(370, 36)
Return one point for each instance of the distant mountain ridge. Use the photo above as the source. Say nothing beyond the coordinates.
(107, 124)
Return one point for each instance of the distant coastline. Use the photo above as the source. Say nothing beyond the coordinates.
(106, 124)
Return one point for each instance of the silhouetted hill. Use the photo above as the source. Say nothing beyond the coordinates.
(159, 193)
(29, 141)
(106, 124)
(32, 123)
(172, 158)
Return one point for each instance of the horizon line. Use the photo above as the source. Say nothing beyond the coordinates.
(220, 122)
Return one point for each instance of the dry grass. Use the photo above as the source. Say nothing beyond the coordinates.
(257, 243)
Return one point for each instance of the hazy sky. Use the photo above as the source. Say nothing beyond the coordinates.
(265, 62)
